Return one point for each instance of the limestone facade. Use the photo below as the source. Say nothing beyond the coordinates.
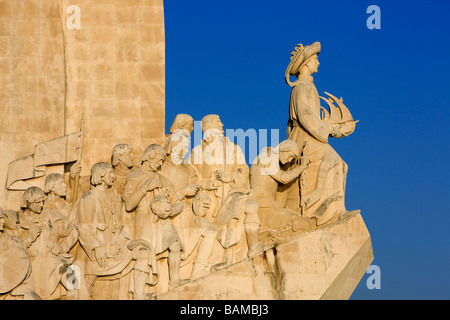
(109, 72)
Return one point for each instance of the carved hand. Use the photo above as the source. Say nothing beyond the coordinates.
(118, 245)
(100, 256)
(75, 170)
(57, 250)
(192, 190)
(336, 132)
(222, 176)
(152, 184)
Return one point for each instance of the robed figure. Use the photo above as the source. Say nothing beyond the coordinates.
(319, 192)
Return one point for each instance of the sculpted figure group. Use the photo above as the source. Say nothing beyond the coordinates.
(135, 231)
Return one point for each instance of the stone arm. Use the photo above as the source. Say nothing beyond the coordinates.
(75, 171)
(71, 182)
(68, 234)
(285, 177)
(29, 234)
(88, 240)
(84, 185)
(27, 241)
(119, 219)
(301, 100)
(85, 225)
(124, 220)
(195, 161)
(193, 184)
(204, 171)
(126, 233)
(133, 194)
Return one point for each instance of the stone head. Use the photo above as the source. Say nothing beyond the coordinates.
(312, 64)
(154, 157)
(55, 183)
(101, 173)
(33, 199)
(288, 151)
(178, 145)
(122, 153)
(182, 121)
(301, 55)
(212, 121)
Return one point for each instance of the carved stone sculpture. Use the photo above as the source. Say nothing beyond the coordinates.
(183, 177)
(322, 190)
(222, 167)
(220, 163)
(55, 189)
(204, 231)
(182, 124)
(266, 176)
(15, 266)
(122, 162)
(237, 216)
(141, 188)
(190, 223)
(106, 244)
(48, 236)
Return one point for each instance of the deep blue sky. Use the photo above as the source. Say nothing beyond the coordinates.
(229, 57)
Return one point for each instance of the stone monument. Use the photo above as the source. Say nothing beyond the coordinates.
(98, 203)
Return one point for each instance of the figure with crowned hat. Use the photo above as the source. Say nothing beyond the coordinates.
(320, 190)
